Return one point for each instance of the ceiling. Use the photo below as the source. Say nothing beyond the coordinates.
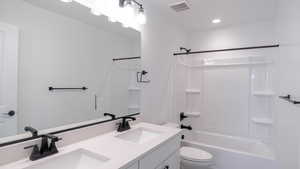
(231, 12)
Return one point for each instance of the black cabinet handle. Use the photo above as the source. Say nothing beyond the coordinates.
(166, 167)
(10, 113)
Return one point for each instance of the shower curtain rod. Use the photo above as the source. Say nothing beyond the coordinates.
(229, 49)
(130, 58)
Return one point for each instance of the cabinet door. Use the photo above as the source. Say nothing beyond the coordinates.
(173, 162)
(161, 154)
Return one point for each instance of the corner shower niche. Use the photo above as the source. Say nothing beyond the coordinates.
(234, 91)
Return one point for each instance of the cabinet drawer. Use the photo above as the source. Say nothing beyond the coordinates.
(161, 154)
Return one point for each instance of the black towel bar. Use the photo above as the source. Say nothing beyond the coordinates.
(74, 88)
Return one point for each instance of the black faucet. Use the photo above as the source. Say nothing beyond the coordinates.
(111, 115)
(124, 125)
(186, 127)
(45, 150)
(33, 131)
(183, 116)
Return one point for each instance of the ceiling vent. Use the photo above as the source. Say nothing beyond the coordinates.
(180, 6)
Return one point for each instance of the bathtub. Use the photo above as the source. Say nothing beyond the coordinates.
(232, 152)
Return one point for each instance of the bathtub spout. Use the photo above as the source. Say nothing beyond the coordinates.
(186, 127)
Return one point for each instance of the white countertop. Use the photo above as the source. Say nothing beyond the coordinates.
(121, 153)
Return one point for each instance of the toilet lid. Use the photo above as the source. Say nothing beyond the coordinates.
(195, 154)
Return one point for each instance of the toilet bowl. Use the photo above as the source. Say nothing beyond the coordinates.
(193, 158)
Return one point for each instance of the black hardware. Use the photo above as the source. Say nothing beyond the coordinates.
(45, 149)
(35, 154)
(130, 58)
(140, 75)
(55, 88)
(182, 137)
(166, 167)
(121, 3)
(185, 49)
(186, 127)
(10, 113)
(182, 116)
(62, 131)
(33, 131)
(124, 125)
(111, 115)
(289, 99)
(224, 50)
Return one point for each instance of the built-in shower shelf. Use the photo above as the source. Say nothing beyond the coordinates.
(262, 121)
(193, 114)
(266, 93)
(134, 89)
(192, 91)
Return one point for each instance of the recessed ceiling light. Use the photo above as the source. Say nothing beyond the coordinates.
(215, 21)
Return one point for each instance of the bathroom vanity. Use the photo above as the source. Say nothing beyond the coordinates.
(144, 146)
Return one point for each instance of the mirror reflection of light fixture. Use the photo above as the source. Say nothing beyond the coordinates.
(141, 16)
(129, 13)
(128, 6)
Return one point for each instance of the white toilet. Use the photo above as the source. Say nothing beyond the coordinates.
(193, 158)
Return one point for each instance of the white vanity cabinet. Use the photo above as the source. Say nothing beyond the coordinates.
(164, 157)
(172, 163)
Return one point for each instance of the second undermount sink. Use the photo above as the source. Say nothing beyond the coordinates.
(78, 159)
(139, 135)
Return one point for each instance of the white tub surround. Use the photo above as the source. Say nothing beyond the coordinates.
(121, 152)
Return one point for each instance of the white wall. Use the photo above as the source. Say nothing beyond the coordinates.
(61, 52)
(288, 115)
(225, 101)
(160, 38)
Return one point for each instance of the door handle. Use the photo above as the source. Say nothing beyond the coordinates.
(10, 113)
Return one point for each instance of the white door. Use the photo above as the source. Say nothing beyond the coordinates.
(8, 79)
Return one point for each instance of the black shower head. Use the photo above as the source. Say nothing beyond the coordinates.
(185, 49)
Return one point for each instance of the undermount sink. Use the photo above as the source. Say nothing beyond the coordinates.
(139, 135)
(78, 159)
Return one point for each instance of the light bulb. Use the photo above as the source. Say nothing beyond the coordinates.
(128, 15)
(141, 18)
(129, 11)
(67, 1)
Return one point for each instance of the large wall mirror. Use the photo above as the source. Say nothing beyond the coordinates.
(61, 65)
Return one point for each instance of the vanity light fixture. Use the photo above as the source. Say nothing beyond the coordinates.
(216, 21)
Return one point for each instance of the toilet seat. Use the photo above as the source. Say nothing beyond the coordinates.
(195, 155)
